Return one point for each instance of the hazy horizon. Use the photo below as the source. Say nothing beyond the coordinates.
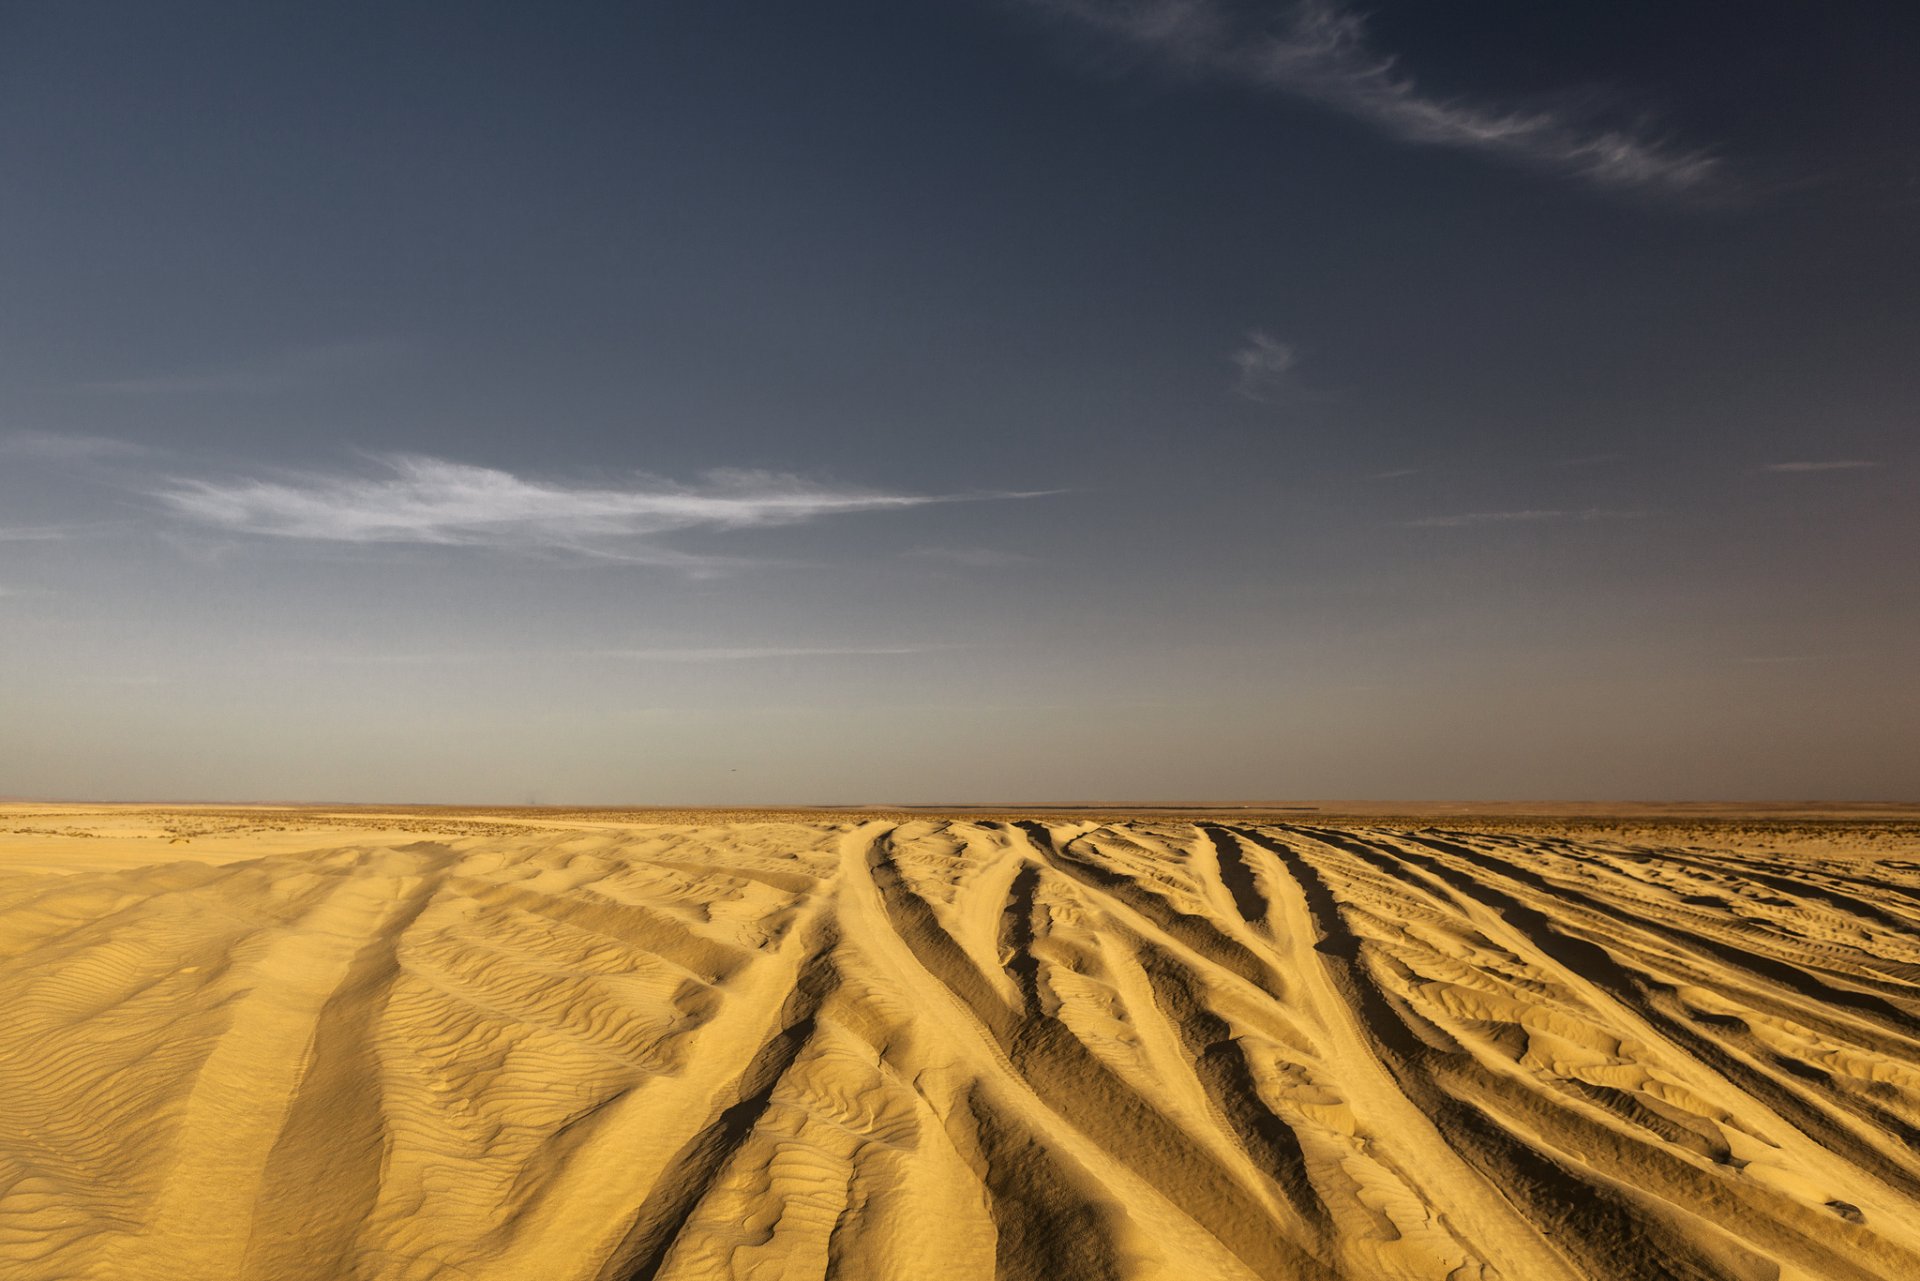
(959, 403)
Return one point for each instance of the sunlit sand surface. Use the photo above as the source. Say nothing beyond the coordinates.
(277, 1044)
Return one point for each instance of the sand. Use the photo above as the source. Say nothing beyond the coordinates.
(260, 1043)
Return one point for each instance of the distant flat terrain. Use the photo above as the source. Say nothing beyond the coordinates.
(1535, 1043)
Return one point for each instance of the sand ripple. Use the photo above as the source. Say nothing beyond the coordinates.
(963, 1049)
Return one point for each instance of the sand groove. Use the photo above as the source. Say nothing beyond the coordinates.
(963, 1049)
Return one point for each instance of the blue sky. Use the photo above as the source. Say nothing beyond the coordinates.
(972, 400)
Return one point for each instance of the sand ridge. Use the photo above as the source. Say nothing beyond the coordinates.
(876, 1047)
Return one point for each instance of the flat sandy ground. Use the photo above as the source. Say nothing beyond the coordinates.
(1431, 1042)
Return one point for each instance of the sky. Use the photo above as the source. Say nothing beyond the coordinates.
(962, 400)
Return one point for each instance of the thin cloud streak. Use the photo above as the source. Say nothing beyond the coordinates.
(61, 447)
(666, 654)
(1835, 464)
(746, 654)
(969, 557)
(36, 533)
(1319, 51)
(277, 371)
(430, 501)
(1529, 516)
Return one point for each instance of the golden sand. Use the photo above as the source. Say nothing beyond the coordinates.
(537, 1046)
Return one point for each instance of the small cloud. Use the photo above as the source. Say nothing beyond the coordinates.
(1319, 51)
(429, 501)
(1529, 516)
(1586, 460)
(62, 447)
(1776, 660)
(1834, 464)
(1395, 474)
(970, 557)
(1264, 364)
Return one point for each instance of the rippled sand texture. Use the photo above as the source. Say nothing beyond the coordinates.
(960, 1050)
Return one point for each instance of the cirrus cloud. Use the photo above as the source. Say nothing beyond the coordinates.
(1319, 51)
(431, 501)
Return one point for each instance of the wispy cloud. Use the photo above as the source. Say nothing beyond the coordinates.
(1528, 516)
(1264, 365)
(430, 501)
(1832, 464)
(1319, 51)
(1395, 474)
(63, 447)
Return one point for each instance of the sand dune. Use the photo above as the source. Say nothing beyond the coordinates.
(937, 1048)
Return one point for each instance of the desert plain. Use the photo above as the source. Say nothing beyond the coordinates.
(1362, 1042)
